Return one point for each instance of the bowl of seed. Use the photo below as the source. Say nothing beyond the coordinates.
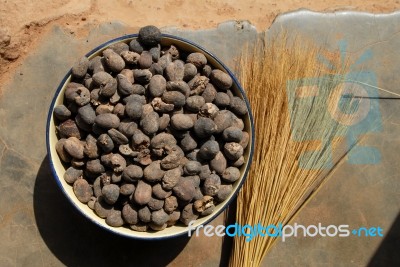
(149, 133)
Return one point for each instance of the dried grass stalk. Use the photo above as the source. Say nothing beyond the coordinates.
(277, 186)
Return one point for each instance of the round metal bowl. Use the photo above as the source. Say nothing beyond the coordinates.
(58, 168)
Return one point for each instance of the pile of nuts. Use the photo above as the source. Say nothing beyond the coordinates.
(150, 135)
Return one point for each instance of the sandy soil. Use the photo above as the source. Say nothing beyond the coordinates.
(22, 23)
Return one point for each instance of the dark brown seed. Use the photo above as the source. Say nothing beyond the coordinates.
(118, 137)
(197, 59)
(107, 121)
(97, 187)
(64, 156)
(81, 124)
(110, 193)
(61, 112)
(127, 128)
(72, 174)
(130, 214)
(185, 189)
(203, 204)
(150, 123)
(116, 177)
(222, 100)
(104, 109)
(189, 72)
(119, 110)
(231, 174)
(221, 79)
(209, 93)
(135, 46)
(156, 68)
(205, 172)
(77, 163)
(140, 141)
(82, 190)
(155, 52)
(175, 154)
(80, 68)
(174, 217)
(91, 202)
(149, 35)
(130, 57)
(232, 134)
(97, 64)
(164, 122)
(173, 51)
(105, 143)
(206, 71)
(188, 143)
(142, 76)
(68, 129)
(238, 106)
(113, 60)
(181, 122)
(157, 85)
(170, 204)
(155, 204)
(179, 86)
(145, 60)
(198, 84)
(125, 87)
(144, 214)
(175, 71)
(188, 214)
(114, 219)
(138, 98)
(192, 168)
(233, 151)
(87, 114)
(238, 162)
(218, 163)
(160, 193)
(126, 150)
(171, 178)
(134, 109)
(90, 148)
(132, 173)
(211, 185)
(94, 167)
(165, 60)
(153, 172)
(194, 103)
(209, 150)
(174, 97)
(74, 148)
(127, 189)
(119, 47)
(101, 208)
(161, 106)
(204, 127)
(223, 120)
(142, 194)
(159, 217)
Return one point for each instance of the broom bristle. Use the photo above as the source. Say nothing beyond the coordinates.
(286, 123)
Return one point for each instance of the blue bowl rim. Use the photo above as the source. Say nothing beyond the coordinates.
(124, 38)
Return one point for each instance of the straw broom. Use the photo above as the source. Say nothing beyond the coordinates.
(278, 184)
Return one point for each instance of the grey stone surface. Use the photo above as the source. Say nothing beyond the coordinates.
(38, 227)
(357, 195)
